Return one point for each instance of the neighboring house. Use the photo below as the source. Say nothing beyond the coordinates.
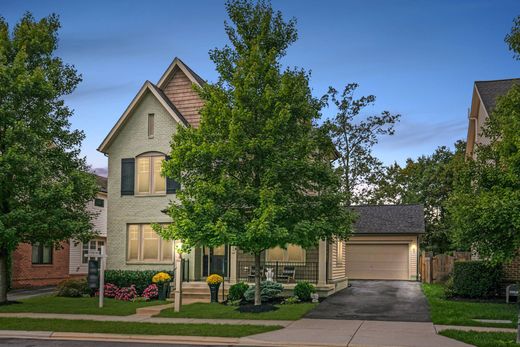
(138, 195)
(78, 264)
(38, 265)
(385, 242)
(485, 94)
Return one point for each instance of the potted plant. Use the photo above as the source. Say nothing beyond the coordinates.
(162, 279)
(214, 282)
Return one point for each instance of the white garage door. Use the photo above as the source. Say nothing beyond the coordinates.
(378, 262)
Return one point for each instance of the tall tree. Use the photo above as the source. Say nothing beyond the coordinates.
(485, 206)
(427, 180)
(354, 136)
(44, 184)
(513, 38)
(256, 173)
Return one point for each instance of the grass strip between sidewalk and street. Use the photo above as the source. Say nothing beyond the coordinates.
(84, 305)
(483, 339)
(458, 312)
(132, 328)
(220, 311)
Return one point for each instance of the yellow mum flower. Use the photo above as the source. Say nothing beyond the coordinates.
(161, 277)
(214, 279)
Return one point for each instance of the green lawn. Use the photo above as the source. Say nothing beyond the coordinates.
(137, 328)
(454, 312)
(483, 339)
(204, 310)
(56, 304)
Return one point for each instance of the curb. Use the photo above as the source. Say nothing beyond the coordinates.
(158, 339)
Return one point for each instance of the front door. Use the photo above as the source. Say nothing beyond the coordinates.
(215, 261)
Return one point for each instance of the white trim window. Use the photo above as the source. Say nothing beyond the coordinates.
(293, 253)
(92, 245)
(145, 245)
(148, 177)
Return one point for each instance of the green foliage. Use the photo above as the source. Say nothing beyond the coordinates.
(291, 300)
(485, 204)
(125, 278)
(247, 172)
(73, 288)
(44, 183)
(303, 290)
(354, 138)
(428, 180)
(513, 38)
(476, 279)
(237, 291)
(268, 291)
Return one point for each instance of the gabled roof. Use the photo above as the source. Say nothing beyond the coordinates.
(389, 219)
(166, 103)
(165, 78)
(490, 90)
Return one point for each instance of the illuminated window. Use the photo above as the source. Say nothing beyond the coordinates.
(149, 178)
(340, 256)
(145, 245)
(293, 253)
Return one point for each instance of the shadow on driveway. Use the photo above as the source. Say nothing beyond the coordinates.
(401, 301)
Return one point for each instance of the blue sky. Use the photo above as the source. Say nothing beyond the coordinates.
(420, 58)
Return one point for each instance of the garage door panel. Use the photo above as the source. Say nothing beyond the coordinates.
(377, 261)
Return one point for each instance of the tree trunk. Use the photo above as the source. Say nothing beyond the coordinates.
(258, 279)
(3, 276)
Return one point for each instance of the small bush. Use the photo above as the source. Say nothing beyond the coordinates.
(126, 294)
(476, 279)
(73, 288)
(110, 290)
(303, 290)
(126, 278)
(291, 300)
(237, 291)
(151, 292)
(268, 291)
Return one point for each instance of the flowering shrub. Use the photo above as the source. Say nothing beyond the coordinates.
(151, 292)
(214, 279)
(161, 277)
(126, 293)
(111, 290)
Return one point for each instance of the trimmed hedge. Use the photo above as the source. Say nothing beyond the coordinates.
(237, 291)
(126, 278)
(476, 279)
(73, 288)
(303, 290)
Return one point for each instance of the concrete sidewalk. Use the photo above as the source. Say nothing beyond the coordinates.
(354, 333)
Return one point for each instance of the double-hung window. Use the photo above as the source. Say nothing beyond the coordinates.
(92, 245)
(145, 245)
(41, 254)
(148, 176)
(293, 253)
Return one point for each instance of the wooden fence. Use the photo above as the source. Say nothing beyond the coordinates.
(437, 269)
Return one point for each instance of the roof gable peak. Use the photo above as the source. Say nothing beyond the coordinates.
(165, 78)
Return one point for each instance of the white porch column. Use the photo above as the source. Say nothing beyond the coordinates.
(233, 265)
(322, 263)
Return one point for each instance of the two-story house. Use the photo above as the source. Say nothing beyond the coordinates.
(138, 196)
(483, 101)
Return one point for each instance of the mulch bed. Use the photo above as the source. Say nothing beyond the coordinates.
(256, 309)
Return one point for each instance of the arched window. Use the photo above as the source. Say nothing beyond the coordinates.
(149, 180)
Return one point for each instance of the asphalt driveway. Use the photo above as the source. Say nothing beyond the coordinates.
(401, 301)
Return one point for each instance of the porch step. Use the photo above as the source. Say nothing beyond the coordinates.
(198, 292)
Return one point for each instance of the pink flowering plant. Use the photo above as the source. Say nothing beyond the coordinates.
(151, 292)
(126, 294)
(111, 290)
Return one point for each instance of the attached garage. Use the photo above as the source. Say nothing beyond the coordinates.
(385, 242)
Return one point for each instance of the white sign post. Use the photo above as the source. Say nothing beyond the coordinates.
(101, 256)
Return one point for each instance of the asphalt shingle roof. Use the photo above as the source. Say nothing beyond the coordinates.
(389, 219)
(490, 90)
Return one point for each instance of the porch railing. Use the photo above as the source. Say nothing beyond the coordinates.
(282, 272)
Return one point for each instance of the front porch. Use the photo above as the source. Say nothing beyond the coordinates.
(279, 265)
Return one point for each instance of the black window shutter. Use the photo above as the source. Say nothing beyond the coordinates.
(127, 176)
(171, 185)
